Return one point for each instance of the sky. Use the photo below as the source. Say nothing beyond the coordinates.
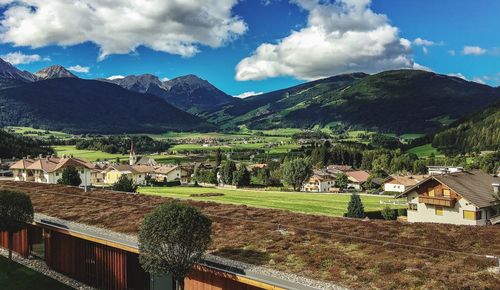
(253, 46)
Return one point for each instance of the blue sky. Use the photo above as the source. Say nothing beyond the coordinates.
(256, 45)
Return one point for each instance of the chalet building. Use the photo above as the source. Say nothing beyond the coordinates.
(433, 170)
(137, 173)
(49, 169)
(397, 183)
(107, 259)
(357, 179)
(461, 198)
(168, 173)
(319, 182)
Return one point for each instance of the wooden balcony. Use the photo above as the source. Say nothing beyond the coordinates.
(438, 200)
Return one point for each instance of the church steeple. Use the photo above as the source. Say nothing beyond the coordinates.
(132, 159)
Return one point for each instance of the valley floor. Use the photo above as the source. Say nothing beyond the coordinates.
(311, 203)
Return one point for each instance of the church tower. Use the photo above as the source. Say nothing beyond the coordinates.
(132, 159)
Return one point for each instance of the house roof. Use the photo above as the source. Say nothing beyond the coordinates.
(165, 169)
(475, 186)
(122, 168)
(358, 176)
(76, 162)
(22, 164)
(143, 168)
(407, 180)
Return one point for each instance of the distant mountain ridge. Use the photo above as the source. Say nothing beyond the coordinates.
(89, 106)
(54, 72)
(399, 101)
(189, 93)
(10, 76)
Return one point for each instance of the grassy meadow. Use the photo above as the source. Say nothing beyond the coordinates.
(311, 203)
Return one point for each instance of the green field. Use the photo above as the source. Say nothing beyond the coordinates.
(31, 132)
(23, 278)
(326, 204)
(424, 151)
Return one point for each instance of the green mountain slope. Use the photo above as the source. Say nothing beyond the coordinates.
(401, 101)
(480, 131)
(87, 106)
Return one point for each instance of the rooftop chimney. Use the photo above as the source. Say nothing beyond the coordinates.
(495, 187)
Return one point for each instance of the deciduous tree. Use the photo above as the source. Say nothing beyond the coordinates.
(172, 239)
(297, 171)
(70, 176)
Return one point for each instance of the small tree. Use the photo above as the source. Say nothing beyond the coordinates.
(355, 208)
(388, 213)
(242, 176)
(70, 176)
(16, 211)
(296, 172)
(218, 157)
(172, 239)
(227, 171)
(124, 184)
(341, 180)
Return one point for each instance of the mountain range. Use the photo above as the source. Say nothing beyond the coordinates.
(398, 101)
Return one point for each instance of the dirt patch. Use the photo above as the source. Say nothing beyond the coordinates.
(208, 194)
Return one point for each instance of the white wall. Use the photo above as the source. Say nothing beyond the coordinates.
(394, 187)
(426, 213)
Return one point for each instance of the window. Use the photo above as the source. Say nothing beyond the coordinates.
(431, 192)
(472, 215)
(81, 171)
(446, 192)
(57, 173)
(439, 210)
(412, 206)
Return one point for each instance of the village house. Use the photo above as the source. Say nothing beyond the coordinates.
(319, 182)
(399, 183)
(462, 198)
(432, 170)
(137, 173)
(49, 169)
(167, 173)
(357, 179)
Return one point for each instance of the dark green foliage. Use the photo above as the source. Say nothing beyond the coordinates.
(419, 167)
(218, 157)
(384, 141)
(124, 184)
(13, 145)
(206, 175)
(314, 135)
(241, 177)
(399, 101)
(70, 176)
(296, 171)
(172, 239)
(227, 171)
(480, 131)
(341, 180)
(16, 211)
(320, 155)
(355, 207)
(488, 163)
(121, 144)
(389, 213)
(88, 106)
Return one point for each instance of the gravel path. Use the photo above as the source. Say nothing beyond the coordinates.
(40, 266)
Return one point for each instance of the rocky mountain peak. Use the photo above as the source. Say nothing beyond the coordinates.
(54, 72)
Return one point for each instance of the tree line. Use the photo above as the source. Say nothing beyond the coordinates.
(14, 145)
(121, 144)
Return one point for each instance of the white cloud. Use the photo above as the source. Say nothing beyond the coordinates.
(424, 42)
(458, 75)
(80, 69)
(479, 80)
(120, 26)
(248, 94)
(18, 57)
(473, 50)
(425, 50)
(116, 77)
(452, 52)
(345, 36)
(165, 79)
(421, 67)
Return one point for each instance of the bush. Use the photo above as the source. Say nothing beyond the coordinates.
(402, 212)
(70, 176)
(389, 213)
(124, 184)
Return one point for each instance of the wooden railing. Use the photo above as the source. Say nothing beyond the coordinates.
(438, 200)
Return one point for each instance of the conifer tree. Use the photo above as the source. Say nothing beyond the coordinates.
(355, 208)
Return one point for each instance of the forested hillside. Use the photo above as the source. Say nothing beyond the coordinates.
(480, 131)
(12, 145)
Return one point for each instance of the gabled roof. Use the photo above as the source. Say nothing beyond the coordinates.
(46, 164)
(143, 168)
(71, 161)
(122, 168)
(475, 186)
(358, 176)
(165, 169)
(22, 164)
(405, 180)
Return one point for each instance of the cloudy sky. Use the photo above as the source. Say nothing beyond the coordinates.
(251, 46)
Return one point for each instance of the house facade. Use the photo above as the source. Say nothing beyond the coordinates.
(462, 198)
(357, 179)
(401, 183)
(319, 183)
(168, 173)
(49, 169)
